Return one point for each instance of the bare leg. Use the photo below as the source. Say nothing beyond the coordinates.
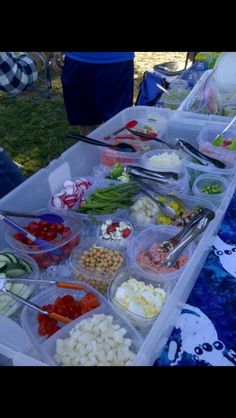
(86, 129)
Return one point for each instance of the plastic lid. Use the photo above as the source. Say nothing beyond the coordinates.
(225, 71)
(12, 335)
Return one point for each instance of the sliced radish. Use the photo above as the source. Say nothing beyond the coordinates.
(57, 202)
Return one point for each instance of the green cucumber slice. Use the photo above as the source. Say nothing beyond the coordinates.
(3, 265)
(4, 257)
(14, 270)
(26, 266)
(12, 257)
(2, 276)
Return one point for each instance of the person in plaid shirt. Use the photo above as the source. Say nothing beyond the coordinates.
(17, 73)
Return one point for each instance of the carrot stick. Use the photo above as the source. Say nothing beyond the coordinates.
(67, 285)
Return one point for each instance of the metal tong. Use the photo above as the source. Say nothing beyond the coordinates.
(144, 173)
(194, 228)
(53, 315)
(195, 153)
(164, 208)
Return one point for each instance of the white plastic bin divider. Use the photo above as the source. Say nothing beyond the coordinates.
(34, 194)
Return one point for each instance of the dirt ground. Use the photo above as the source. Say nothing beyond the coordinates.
(144, 61)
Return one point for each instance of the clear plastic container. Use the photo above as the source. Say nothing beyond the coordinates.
(168, 166)
(95, 277)
(205, 141)
(116, 244)
(47, 349)
(188, 200)
(178, 90)
(91, 179)
(208, 180)
(61, 246)
(139, 321)
(9, 306)
(13, 335)
(29, 321)
(109, 156)
(145, 239)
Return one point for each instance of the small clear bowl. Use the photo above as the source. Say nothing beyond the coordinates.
(95, 277)
(208, 180)
(61, 249)
(115, 243)
(9, 306)
(159, 167)
(91, 179)
(145, 239)
(139, 321)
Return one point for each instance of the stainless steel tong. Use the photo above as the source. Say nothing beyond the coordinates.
(195, 227)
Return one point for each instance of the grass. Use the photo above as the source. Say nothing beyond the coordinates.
(33, 129)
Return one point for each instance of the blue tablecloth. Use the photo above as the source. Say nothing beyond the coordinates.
(205, 333)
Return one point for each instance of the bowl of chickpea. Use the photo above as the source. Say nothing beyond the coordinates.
(96, 264)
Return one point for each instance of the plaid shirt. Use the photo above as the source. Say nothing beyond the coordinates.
(16, 73)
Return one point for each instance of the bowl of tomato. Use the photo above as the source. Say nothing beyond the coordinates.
(61, 238)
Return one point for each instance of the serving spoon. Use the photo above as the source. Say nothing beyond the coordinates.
(47, 217)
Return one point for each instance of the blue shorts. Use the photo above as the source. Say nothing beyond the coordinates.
(10, 175)
(93, 93)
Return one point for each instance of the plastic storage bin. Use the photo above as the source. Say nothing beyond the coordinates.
(78, 161)
(145, 239)
(47, 296)
(142, 323)
(9, 306)
(205, 141)
(209, 180)
(61, 245)
(94, 276)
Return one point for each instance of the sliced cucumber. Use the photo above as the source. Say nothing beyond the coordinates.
(3, 265)
(14, 270)
(5, 258)
(12, 257)
(26, 266)
(2, 276)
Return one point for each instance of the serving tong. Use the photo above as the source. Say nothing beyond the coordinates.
(146, 188)
(198, 155)
(59, 284)
(188, 234)
(144, 173)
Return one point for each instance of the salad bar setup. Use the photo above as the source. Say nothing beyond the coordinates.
(95, 268)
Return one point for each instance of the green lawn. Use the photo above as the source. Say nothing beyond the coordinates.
(33, 129)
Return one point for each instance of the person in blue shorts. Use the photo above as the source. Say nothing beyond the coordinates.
(96, 85)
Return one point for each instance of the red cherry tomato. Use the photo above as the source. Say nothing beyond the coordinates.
(50, 235)
(59, 228)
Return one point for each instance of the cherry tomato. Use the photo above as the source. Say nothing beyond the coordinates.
(59, 228)
(50, 235)
(43, 224)
(33, 227)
